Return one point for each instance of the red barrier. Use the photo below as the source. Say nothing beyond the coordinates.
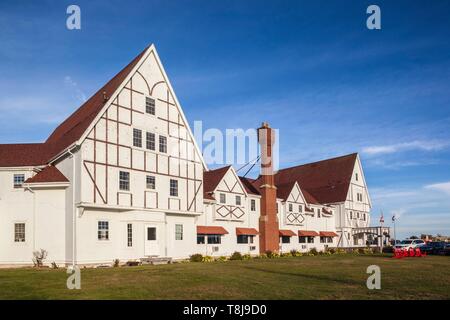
(411, 252)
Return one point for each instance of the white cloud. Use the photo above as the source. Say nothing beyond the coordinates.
(79, 94)
(443, 187)
(406, 146)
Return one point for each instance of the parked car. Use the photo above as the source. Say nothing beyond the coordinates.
(410, 243)
(445, 251)
(433, 247)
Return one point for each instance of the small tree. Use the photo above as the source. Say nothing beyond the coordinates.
(39, 257)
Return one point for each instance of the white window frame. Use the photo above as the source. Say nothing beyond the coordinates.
(173, 188)
(238, 200)
(129, 235)
(137, 138)
(17, 175)
(149, 142)
(222, 198)
(252, 205)
(16, 232)
(106, 236)
(151, 106)
(148, 184)
(179, 232)
(123, 181)
(162, 144)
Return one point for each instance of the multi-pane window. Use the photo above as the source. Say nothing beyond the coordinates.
(163, 144)
(150, 141)
(150, 105)
(19, 232)
(285, 239)
(290, 207)
(201, 239)
(243, 238)
(214, 238)
(151, 183)
(19, 179)
(223, 198)
(137, 138)
(124, 180)
(310, 239)
(103, 230)
(252, 205)
(326, 239)
(173, 188)
(178, 232)
(130, 234)
(238, 200)
(301, 239)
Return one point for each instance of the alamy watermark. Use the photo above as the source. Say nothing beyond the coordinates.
(74, 280)
(73, 21)
(374, 20)
(374, 280)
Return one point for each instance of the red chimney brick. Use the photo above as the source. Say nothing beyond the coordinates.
(268, 220)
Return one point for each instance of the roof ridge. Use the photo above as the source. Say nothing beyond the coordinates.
(318, 161)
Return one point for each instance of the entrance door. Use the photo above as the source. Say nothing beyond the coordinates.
(151, 241)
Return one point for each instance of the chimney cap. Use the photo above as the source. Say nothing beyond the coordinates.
(265, 125)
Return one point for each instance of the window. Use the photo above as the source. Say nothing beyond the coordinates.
(173, 188)
(300, 208)
(124, 180)
(137, 138)
(238, 200)
(223, 198)
(356, 176)
(318, 213)
(151, 184)
(253, 205)
(150, 105)
(330, 239)
(163, 144)
(357, 215)
(285, 239)
(364, 216)
(326, 239)
(103, 230)
(19, 179)
(200, 239)
(351, 215)
(213, 238)
(19, 232)
(151, 233)
(322, 239)
(178, 232)
(290, 207)
(129, 235)
(301, 239)
(243, 238)
(150, 141)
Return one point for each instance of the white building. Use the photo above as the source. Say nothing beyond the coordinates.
(122, 178)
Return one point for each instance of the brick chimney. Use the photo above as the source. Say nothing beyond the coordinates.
(268, 220)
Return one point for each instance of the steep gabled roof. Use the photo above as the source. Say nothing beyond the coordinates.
(68, 132)
(211, 180)
(249, 186)
(48, 174)
(77, 123)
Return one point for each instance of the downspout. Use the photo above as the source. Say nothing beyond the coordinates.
(74, 209)
(34, 217)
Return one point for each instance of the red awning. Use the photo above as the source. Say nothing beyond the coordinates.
(211, 230)
(306, 233)
(287, 233)
(328, 234)
(246, 232)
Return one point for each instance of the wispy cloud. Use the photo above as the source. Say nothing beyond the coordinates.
(443, 187)
(406, 146)
(78, 93)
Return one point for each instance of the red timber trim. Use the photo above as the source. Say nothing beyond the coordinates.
(246, 232)
(328, 234)
(211, 230)
(307, 233)
(287, 233)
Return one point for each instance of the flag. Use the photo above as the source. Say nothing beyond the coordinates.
(382, 218)
(393, 218)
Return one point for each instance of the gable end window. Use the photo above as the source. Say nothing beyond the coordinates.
(223, 198)
(163, 144)
(238, 200)
(124, 180)
(290, 207)
(356, 176)
(300, 208)
(137, 138)
(150, 105)
(19, 179)
(151, 183)
(150, 141)
(173, 188)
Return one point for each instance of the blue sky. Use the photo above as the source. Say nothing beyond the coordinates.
(310, 68)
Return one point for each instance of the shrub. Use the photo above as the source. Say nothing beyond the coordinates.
(271, 254)
(207, 259)
(294, 252)
(368, 251)
(285, 254)
(313, 252)
(39, 257)
(341, 251)
(332, 250)
(236, 256)
(54, 265)
(361, 251)
(116, 263)
(261, 256)
(196, 257)
(222, 259)
(132, 263)
(246, 256)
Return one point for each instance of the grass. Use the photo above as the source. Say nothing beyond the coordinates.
(319, 277)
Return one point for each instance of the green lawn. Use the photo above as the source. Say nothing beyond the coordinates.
(320, 277)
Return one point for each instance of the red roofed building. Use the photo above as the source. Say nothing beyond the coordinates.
(123, 178)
